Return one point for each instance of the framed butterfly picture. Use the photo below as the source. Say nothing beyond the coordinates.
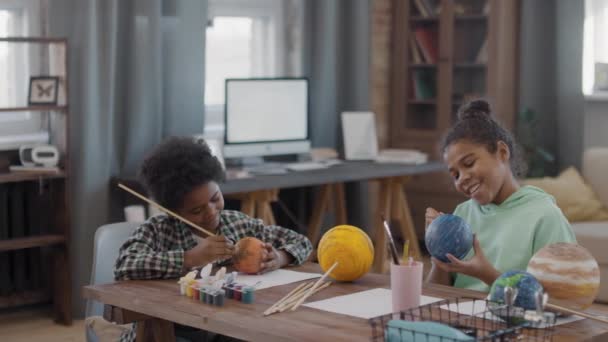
(43, 90)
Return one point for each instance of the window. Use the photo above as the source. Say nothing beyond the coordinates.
(595, 47)
(17, 18)
(248, 38)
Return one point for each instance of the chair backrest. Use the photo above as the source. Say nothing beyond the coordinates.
(108, 239)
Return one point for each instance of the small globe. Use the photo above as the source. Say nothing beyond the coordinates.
(448, 234)
(525, 284)
(350, 247)
(569, 274)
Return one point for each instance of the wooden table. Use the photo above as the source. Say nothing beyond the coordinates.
(257, 193)
(158, 303)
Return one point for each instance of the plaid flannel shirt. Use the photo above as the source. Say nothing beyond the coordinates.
(156, 249)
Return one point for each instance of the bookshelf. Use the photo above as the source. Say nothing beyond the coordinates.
(34, 205)
(441, 54)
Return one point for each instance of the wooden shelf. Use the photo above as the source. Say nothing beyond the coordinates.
(24, 298)
(471, 17)
(424, 20)
(36, 109)
(31, 242)
(55, 222)
(22, 176)
(470, 66)
(422, 102)
(423, 66)
(45, 40)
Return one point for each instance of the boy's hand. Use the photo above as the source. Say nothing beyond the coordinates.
(430, 215)
(478, 266)
(273, 259)
(208, 250)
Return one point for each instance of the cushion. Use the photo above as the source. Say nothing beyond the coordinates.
(103, 331)
(594, 237)
(595, 167)
(575, 198)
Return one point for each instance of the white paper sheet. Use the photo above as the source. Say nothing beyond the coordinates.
(275, 278)
(467, 308)
(365, 304)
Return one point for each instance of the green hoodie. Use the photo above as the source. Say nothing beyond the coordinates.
(510, 233)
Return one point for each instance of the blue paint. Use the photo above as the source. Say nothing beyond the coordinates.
(248, 294)
(448, 234)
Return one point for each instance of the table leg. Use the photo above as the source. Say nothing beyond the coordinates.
(61, 285)
(394, 206)
(406, 223)
(379, 237)
(340, 204)
(320, 208)
(155, 329)
(257, 204)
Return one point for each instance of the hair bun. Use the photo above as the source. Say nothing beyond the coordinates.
(475, 109)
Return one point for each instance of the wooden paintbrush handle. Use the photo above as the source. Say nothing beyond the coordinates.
(282, 300)
(314, 286)
(575, 312)
(293, 301)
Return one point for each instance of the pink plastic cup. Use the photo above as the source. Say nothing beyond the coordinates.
(406, 285)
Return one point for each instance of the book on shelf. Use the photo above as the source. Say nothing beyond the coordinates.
(421, 9)
(6, 281)
(424, 84)
(430, 7)
(482, 54)
(415, 52)
(486, 8)
(426, 8)
(16, 212)
(427, 42)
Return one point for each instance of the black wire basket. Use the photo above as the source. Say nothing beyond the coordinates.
(463, 319)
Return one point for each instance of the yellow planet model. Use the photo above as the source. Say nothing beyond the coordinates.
(350, 247)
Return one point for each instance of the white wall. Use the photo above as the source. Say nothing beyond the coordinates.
(595, 132)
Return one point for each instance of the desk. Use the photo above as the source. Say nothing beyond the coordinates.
(256, 194)
(159, 302)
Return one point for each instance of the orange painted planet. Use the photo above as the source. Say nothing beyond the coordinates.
(568, 273)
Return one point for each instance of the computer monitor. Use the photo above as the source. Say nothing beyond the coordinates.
(266, 117)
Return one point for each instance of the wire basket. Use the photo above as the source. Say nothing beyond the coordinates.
(475, 319)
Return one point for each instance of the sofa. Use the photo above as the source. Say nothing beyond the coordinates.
(593, 235)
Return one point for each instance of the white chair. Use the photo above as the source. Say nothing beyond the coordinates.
(107, 242)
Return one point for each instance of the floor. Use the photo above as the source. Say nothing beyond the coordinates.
(36, 324)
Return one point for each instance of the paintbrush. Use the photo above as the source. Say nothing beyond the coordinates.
(391, 242)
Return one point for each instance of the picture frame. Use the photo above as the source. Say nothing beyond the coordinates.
(359, 135)
(601, 77)
(43, 90)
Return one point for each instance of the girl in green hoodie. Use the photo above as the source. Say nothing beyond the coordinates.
(510, 222)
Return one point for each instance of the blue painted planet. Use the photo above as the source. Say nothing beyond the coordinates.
(448, 234)
(525, 284)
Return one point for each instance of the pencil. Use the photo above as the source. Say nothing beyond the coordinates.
(406, 251)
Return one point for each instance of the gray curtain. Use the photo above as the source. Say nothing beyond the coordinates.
(136, 76)
(336, 60)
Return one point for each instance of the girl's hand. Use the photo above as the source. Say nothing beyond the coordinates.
(478, 266)
(273, 259)
(430, 215)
